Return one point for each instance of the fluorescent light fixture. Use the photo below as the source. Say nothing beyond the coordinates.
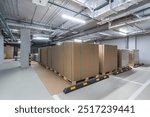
(105, 34)
(59, 43)
(77, 40)
(73, 19)
(14, 30)
(41, 38)
(40, 2)
(122, 33)
(123, 30)
(74, 32)
(19, 41)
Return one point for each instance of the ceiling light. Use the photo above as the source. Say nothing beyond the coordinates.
(105, 34)
(73, 19)
(19, 41)
(59, 43)
(40, 2)
(14, 30)
(77, 40)
(122, 33)
(40, 38)
(123, 30)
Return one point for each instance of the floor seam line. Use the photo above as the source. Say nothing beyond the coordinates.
(128, 81)
(132, 97)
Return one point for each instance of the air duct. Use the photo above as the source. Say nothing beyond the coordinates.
(30, 27)
(114, 7)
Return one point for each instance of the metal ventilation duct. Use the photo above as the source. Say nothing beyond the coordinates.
(114, 7)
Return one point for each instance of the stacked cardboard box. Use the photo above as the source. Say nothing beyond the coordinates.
(49, 57)
(107, 58)
(80, 61)
(123, 58)
(44, 56)
(39, 53)
(133, 57)
(9, 52)
(57, 58)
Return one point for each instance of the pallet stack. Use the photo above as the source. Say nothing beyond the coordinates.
(107, 58)
(133, 58)
(9, 52)
(123, 58)
(79, 61)
(44, 56)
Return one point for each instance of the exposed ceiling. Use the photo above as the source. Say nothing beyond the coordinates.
(104, 19)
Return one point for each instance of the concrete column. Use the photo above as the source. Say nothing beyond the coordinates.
(127, 43)
(25, 47)
(1, 49)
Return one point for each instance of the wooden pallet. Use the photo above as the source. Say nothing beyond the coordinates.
(138, 65)
(79, 81)
(122, 70)
(108, 73)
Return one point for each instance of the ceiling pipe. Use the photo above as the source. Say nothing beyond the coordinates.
(6, 26)
(144, 12)
(130, 22)
(30, 27)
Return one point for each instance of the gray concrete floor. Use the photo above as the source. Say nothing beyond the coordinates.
(20, 84)
(17, 83)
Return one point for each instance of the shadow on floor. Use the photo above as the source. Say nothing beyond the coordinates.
(126, 74)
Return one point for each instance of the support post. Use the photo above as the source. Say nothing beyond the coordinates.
(25, 47)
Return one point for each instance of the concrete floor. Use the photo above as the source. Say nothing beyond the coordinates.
(20, 84)
(17, 83)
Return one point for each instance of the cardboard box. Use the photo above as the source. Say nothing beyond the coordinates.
(123, 58)
(39, 53)
(49, 57)
(133, 57)
(107, 58)
(9, 52)
(57, 59)
(80, 61)
(44, 56)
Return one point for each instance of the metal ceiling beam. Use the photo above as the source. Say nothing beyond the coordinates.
(72, 10)
(130, 22)
(30, 27)
(6, 26)
(34, 24)
(87, 32)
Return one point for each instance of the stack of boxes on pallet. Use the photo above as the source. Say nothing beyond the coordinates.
(107, 58)
(9, 52)
(123, 58)
(134, 57)
(43, 56)
(78, 61)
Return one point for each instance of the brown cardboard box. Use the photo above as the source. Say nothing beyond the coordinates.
(39, 53)
(80, 61)
(43, 56)
(57, 59)
(133, 57)
(123, 58)
(9, 52)
(49, 57)
(107, 58)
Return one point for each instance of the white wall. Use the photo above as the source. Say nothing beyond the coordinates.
(121, 43)
(1, 49)
(142, 43)
(132, 43)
